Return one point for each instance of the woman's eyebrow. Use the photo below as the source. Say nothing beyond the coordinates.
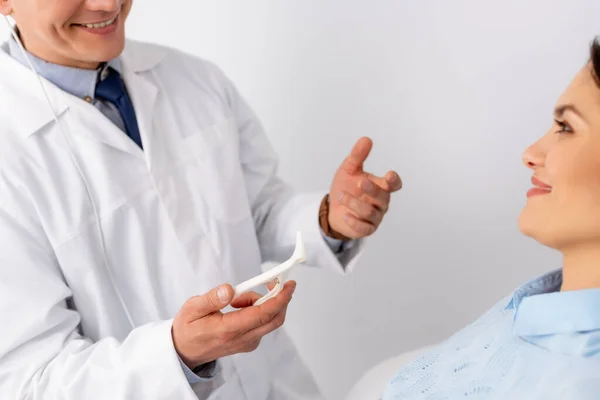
(561, 109)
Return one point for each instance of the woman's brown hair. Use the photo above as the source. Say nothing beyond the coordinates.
(595, 59)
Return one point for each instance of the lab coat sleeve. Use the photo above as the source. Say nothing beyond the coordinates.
(42, 353)
(278, 211)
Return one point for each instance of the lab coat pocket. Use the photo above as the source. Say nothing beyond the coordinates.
(219, 172)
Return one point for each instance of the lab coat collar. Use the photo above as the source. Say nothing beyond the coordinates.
(23, 96)
(142, 57)
(31, 108)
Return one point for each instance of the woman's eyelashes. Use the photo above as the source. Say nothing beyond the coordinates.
(564, 127)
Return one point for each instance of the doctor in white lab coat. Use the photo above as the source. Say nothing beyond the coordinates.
(123, 225)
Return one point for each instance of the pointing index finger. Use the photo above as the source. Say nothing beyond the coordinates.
(391, 182)
(355, 161)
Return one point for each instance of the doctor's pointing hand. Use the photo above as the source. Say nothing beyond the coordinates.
(359, 200)
(137, 185)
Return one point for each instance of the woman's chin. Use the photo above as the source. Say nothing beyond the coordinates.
(542, 232)
(525, 223)
(535, 228)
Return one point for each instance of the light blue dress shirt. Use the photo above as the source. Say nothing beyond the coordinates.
(82, 83)
(539, 343)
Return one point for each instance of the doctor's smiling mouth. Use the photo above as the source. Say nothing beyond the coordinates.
(105, 27)
(107, 24)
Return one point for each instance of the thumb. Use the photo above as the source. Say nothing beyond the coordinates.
(200, 306)
(355, 161)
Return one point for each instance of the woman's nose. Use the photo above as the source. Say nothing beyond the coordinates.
(534, 156)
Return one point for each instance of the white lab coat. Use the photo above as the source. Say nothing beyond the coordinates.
(200, 206)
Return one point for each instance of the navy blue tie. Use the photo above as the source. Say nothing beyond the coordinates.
(113, 89)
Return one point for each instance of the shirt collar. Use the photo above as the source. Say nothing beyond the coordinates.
(76, 81)
(547, 283)
(542, 309)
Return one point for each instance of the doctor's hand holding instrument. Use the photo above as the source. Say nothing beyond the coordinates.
(202, 333)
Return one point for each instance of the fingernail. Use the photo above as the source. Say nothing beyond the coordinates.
(223, 295)
(367, 185)
(293, 289)
(341, 197)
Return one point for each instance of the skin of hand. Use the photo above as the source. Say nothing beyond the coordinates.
(359, 200)
(203, 333)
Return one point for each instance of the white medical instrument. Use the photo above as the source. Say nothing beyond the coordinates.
(277, 274)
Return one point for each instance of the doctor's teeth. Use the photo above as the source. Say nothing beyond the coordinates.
(101, 24)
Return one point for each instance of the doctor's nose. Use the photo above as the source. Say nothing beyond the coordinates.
(104, 5)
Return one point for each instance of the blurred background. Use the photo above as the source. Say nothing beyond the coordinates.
(450, 92)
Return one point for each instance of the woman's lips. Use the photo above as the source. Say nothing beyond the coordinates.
(539, 188)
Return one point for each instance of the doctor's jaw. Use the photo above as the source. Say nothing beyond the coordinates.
(75, 33)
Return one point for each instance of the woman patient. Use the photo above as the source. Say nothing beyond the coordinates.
(542, 341)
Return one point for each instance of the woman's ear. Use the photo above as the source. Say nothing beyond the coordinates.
(6, 7)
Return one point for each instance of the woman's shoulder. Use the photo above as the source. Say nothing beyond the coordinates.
(501, 313)
(448, 367)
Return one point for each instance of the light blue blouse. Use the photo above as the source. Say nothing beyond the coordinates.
(539, 343)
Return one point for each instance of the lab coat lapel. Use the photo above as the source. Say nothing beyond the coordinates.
(137, 60)
(79, 118)
(103, 130)
(143, 95)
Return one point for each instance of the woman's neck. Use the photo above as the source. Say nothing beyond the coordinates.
(581, 267)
